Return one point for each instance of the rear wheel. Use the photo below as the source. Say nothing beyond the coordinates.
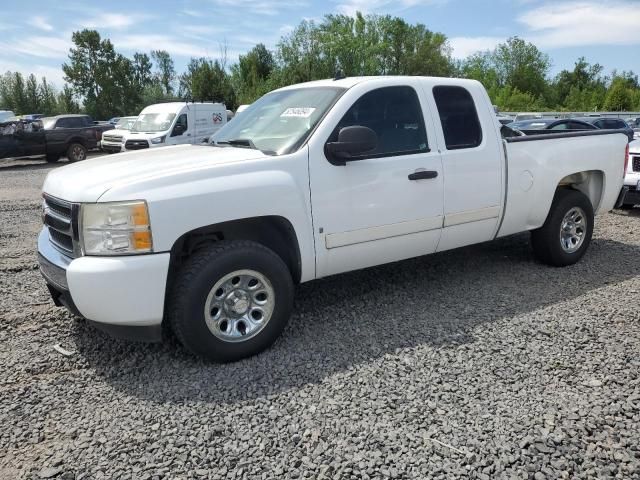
(76, 152)
(231, 300)
(566, 233)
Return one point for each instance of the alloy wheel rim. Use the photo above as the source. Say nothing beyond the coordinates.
(239, 306)
(573, 229)
(78, 153)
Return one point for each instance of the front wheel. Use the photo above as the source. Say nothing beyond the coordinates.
(76, 152)
(231, 300)
(566, 233)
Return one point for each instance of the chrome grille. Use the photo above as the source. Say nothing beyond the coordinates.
(61, 219)
(136, 144)
(636, 164)
(112, 138)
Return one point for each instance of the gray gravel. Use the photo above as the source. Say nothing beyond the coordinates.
(476, 363)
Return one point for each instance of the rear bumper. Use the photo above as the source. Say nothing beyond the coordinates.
(121, 295)
(631, 197)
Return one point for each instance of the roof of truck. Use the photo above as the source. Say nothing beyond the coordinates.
(349, 82)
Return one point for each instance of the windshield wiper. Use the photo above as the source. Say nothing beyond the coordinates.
(239, 142)
(244, 143)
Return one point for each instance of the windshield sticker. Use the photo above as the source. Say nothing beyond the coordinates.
(302, 112)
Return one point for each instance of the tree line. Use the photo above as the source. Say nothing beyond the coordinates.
(104, 83)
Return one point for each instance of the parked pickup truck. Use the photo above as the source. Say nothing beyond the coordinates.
(311, 180)
(54, 137)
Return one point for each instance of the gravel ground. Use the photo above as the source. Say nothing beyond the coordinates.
(475, 363)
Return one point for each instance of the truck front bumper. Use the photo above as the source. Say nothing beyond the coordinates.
(111, 147)
(121, 295)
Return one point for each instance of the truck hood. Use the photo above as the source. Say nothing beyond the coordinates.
(88, 180)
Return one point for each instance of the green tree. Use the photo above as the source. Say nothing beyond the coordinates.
(99, 75)
(32, 95)
(620, 96)
(570, 86)
(206, 80)
(47, 93)
(66, 101)
(165, 73)
(522, 66)
(249, 77)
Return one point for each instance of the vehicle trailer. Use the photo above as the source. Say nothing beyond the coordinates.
(309, 181)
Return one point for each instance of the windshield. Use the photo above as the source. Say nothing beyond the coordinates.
(126, 123)
(153, 122)
(279, 122)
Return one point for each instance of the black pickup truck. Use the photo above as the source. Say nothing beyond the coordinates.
(68, 136)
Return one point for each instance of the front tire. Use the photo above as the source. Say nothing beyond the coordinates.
(76, 152)
(231, 301)
(566, 233)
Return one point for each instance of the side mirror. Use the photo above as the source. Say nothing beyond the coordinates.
(352, 142)
(177, 130)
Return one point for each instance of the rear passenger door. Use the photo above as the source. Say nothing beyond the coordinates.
(385, 205)
(472, 156)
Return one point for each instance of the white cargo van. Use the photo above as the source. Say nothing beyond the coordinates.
(175, 123)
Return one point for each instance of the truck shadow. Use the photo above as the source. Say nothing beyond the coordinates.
(347, 320)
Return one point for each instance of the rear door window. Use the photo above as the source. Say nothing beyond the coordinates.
(458, 116)
(395, 114)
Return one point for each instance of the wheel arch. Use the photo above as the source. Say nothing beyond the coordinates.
(273, 231)
(589, 182)
(72, 140)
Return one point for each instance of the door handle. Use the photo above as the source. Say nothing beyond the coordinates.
(423, 175)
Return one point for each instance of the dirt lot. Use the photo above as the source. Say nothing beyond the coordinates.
(475, 363)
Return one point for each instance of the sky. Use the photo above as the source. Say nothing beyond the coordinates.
(35, 35)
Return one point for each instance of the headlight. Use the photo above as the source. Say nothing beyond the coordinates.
(118, 228)
(158, 139)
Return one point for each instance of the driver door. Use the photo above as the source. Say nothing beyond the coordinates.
(385, 205)
(181, 132)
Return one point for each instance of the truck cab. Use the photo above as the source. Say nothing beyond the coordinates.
(175, 123)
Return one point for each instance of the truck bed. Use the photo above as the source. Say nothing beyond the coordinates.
(536, 164)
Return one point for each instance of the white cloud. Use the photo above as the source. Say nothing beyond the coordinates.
(567, 24)
(262, 7)
(38, 46)
(115, 21)
(350, 7)
(462, 47)
(145, 43)
(579, 23)
(54, 75)
(40, 23)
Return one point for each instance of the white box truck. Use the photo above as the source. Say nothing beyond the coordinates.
(175, 123)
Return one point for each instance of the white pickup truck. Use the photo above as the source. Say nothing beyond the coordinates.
(311, 180)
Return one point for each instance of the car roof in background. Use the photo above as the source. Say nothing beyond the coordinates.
(533, 121)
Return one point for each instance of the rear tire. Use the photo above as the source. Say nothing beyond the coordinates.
(230, 301)
(76, 152)
(566, 233)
